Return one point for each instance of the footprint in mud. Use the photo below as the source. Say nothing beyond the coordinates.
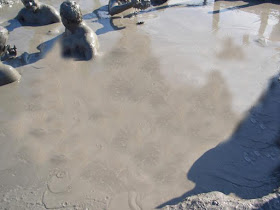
(147, 156)
(121, 140)
(63, 196)
(58, 159)
(126, 201)
(134, 200)
(253, 156)
(60, 182)
(248, 157)
(58, 186)
(257, 123)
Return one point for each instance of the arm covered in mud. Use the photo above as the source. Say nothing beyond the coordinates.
(91, 45)
(87, 43)
(115, 7)
(88, 50)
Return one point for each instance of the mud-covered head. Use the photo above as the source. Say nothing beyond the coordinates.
(32, 5)
(71, 14)
(3, 39)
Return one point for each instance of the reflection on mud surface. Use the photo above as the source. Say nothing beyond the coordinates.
(122, 131)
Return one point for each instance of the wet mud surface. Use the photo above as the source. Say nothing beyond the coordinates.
(186, 103)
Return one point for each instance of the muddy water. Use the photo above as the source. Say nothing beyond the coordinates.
(123, 130)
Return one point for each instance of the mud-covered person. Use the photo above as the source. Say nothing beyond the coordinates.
(118, 6)
(7, 73)
(79, 40)
(6, 52)
(37, 14)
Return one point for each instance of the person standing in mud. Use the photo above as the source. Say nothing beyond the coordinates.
(36, 13)
(78, 40)
(7, 73)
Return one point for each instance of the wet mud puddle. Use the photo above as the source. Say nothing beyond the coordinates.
(133, 128)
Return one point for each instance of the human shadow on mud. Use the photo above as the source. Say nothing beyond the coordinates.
(106, 20)
(247, 164)
(30, 58)
(271, 204)
(13, 24)
(250, 3)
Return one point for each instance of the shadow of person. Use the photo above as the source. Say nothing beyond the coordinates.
(244, 164)
(106, 21)
(13, 24)
(27, 58)
(271, 204)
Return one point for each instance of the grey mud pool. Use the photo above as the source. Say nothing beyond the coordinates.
(186, 103)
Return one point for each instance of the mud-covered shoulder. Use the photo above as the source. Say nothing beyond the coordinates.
(89, 35)
(83, 31)
(86, 29)
(46, 7)
(50, 11)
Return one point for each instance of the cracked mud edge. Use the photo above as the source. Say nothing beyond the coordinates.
(218, 200)
(46, 205)
(50, 201)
